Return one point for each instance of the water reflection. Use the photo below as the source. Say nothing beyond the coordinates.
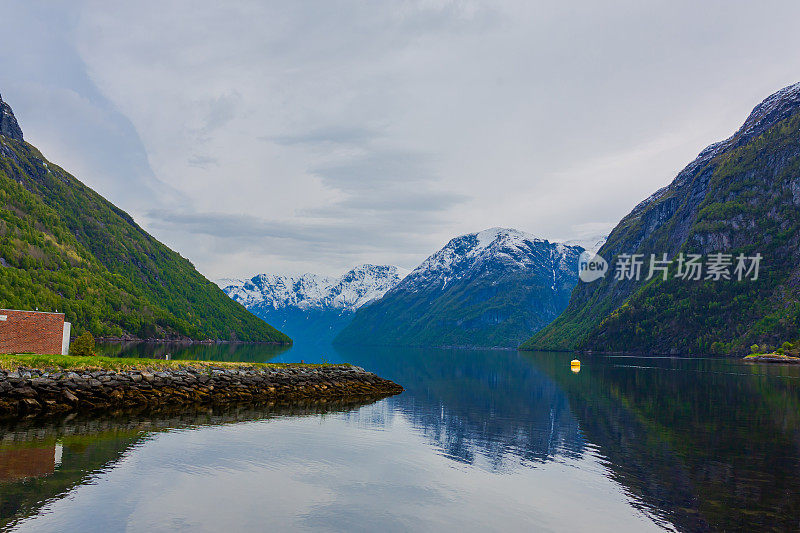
(706, 444)
(700, 444)
(486, 407)
(703, 444)
(43, 459)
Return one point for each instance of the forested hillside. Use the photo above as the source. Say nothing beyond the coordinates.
(64, 247)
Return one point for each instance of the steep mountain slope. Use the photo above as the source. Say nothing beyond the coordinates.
(312, 307)
(739, 196)
(482, 289)
(63, 247)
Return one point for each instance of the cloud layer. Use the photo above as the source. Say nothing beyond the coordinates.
(310, 136)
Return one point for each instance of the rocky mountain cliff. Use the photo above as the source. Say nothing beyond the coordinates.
(8, 122)
(64, 247)
(312, 307)
(738, 197)
(490, 288)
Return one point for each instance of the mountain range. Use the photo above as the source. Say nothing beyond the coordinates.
(64, 247)
(738, 200)
(490, 289)
(739, 197)
(311, 306)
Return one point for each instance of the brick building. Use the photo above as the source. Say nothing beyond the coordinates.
(33, 332)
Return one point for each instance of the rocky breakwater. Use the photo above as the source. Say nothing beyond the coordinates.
(32, 391)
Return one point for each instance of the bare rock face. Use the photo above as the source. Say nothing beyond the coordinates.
(8, 122)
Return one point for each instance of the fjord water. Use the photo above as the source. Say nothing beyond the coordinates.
(480, 440)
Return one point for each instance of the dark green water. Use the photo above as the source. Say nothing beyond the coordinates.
(480, 440)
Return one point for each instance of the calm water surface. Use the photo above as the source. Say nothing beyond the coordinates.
(480, 440)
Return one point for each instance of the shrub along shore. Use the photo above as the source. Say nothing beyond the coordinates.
(33, 384)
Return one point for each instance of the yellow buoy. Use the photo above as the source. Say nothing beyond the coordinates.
(575, 365)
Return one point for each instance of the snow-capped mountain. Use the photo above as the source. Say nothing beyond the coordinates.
(311, 291)
(310, 304)
(493, 249)
(490, 288)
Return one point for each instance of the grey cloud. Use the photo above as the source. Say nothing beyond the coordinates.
(63, 112)
(386, 187)
(202, 161)
(398, 200)
(455, 17)
(220, 111)
(402, 199)
(378, 169)
(358, 232)
(407, 122)
(215, 114)
(381, 189)
(336, 135)
(310, 246)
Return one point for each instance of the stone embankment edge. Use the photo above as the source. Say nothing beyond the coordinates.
(27, 391)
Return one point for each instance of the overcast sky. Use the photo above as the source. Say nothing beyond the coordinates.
(294, 136)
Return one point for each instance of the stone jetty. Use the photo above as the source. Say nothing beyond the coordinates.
(32, 391)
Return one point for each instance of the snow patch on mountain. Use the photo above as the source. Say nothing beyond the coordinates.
(472, 246)
(493, 249)
(590, 244)
(312, 291)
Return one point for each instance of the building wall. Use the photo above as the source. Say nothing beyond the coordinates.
(65, 338)
(31, 331)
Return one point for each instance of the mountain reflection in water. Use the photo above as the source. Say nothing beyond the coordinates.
(480, 440)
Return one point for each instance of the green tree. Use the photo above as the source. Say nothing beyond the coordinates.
(83, 345)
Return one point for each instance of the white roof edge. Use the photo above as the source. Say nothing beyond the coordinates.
(29, 311)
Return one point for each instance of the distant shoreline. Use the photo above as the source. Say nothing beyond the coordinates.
(772, 358)
(184, 341)
(635, 353)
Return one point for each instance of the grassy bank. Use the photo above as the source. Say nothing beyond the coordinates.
(12, 362)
